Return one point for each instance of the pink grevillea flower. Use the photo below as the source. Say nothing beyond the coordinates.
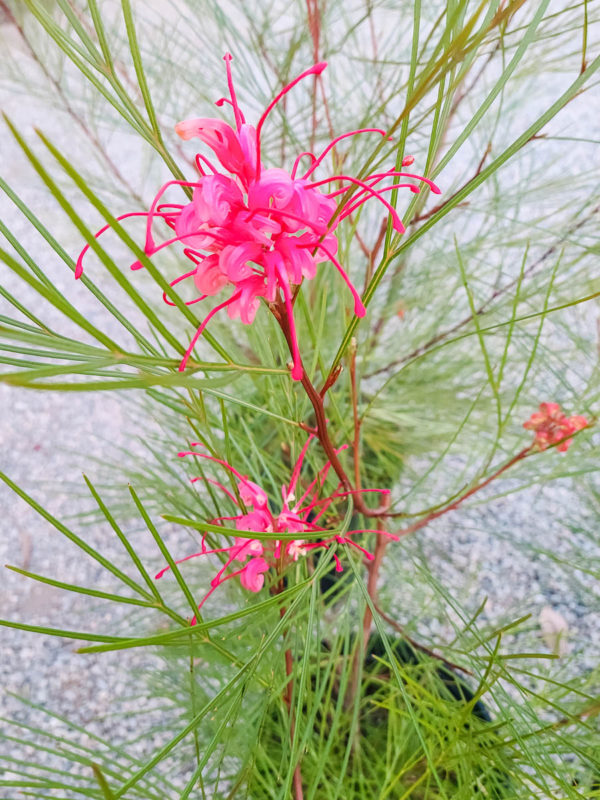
(260, 231)
(251, 559)
(551, 425)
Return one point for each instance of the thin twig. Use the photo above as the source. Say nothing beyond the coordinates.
(440, 206)
(416, 645)
(373, 569)
(443, 335)
(314, 27)
(456, 503)
(374, 253)
(81, 124)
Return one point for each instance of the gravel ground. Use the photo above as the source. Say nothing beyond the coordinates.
(46, 443)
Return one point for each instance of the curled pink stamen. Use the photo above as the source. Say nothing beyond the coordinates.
(193, 255)
(200, 158)
(299, 159)
(177, 207)
(153, 208)
(225, 100)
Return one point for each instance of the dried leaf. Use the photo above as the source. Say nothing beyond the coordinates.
(554, 629)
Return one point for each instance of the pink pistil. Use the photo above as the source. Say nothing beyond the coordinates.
(175, 281)
(79, 265)
(212, 168)
(193, 555)
(239, 119)
(359, 202)
(153, 209)
(359, 308)
(218, 485)
(333, 143)
(203, 325)
(156, 248)
(317, 69)
(373, 192)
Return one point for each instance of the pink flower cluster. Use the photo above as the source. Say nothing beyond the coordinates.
(297, 516)
(260, 231)
(551, 426)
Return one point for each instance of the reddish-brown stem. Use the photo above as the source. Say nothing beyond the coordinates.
(373, 568)
(379, 241)
(440, 206)
(372, 254)
(322, 433)
(331, 380)
(418, 646)
(361, 242)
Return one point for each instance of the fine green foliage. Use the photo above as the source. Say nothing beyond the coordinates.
(324, 684)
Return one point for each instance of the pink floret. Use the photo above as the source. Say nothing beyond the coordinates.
(260, 231)
(551, 426)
